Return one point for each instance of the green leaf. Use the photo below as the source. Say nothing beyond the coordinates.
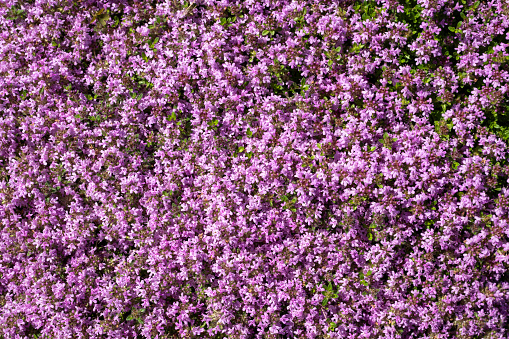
(249, 133)
(265, 33)
(463, 16)
(102, 20)
(452, 29)
(357, 47)
(156, 40)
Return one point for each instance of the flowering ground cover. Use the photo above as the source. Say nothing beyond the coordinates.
(254, 169)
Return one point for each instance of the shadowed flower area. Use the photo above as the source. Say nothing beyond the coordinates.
(254, 169)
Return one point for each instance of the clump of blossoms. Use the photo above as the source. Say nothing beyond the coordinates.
(254, 169)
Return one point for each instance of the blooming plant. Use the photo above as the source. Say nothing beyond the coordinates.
(254, 169)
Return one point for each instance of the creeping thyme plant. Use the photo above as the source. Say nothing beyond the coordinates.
(254, 169)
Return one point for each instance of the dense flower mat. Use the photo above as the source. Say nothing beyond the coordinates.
(254, 169)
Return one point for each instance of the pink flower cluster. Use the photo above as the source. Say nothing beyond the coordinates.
(254, 169)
